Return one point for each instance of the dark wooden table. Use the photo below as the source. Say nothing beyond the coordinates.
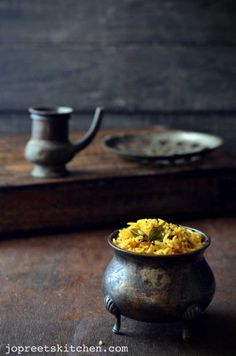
(100, 178)
(51, 294)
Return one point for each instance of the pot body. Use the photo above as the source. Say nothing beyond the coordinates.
(159, 289)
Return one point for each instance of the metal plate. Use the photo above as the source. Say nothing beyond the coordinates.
(164, 146)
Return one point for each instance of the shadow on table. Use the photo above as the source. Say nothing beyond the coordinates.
(213, 334)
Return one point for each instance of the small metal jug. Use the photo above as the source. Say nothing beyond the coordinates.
(49, 148)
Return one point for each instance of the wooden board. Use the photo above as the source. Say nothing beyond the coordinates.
(127, 54)
(148, 62)
(119, 23)
(105, 189)
(150, 81)
(51, 294)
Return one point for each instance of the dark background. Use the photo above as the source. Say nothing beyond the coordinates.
(148, 62)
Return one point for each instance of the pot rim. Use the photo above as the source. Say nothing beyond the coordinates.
(207, 241)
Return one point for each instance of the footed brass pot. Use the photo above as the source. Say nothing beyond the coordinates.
(158, 288)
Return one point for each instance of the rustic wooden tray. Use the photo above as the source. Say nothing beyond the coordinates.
(105, 189)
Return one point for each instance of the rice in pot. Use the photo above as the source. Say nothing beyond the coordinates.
(158, 237)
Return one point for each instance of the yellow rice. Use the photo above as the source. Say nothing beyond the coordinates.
(158, 237)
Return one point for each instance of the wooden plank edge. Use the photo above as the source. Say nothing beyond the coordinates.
(104, 202)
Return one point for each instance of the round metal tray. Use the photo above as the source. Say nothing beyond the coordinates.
(164, 146)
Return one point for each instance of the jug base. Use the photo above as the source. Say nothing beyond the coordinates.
(49, 171)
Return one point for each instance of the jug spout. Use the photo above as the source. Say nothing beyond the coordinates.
(89, 136)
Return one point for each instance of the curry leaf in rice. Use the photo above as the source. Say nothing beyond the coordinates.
(158, 237)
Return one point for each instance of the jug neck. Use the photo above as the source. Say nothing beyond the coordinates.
(50, 124)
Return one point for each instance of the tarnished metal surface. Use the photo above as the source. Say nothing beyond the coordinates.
(51, 293)
(159, 288)
(49, 148)
(163, 146)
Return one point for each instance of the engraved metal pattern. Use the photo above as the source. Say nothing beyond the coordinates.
(113, 309)
(162, 147)
(192, 312)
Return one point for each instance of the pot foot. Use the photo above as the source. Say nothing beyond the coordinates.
(114, 310)
(116, 326)
(186, 332)
(190, 314)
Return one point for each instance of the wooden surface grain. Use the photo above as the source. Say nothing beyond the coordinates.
(105, 189)
(220, 123)
(146, 62)
(51, 293)
(130, 54)
(136, 86)
(111, 22)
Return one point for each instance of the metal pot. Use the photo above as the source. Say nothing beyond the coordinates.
(158, 288)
